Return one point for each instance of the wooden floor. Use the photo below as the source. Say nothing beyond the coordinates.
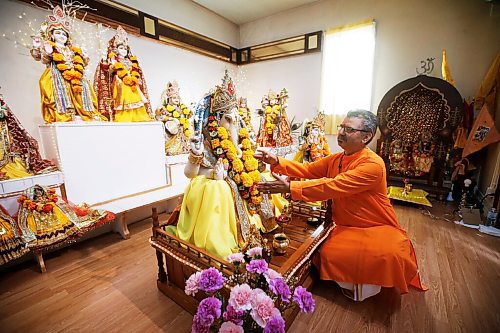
(109, 285)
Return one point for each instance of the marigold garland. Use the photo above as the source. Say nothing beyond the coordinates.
(71, 71)
(271, 114)
(39, 207)
(243, 171)
(129, 78)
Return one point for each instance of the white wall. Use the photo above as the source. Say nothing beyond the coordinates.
(196, 74)
(296, 74)
(190, 15)
(407, 32)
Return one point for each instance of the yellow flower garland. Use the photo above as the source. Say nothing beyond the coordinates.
(243, 171)
(271, 114)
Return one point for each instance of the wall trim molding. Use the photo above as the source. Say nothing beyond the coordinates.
(145, 25)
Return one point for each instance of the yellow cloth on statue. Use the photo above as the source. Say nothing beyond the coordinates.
(128, 103)
(208, 217)
(15, 169)
(416, 196)
(49, 111)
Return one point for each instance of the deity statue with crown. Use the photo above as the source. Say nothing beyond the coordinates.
(19, 155)
(222, 210)
(274, 130)
(65, 93)
(176, 118)
(120, 85)
(313, 144)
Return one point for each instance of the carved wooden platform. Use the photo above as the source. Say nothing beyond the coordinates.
(177, 259)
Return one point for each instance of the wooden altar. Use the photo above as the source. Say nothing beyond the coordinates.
(417, 119)
(177, 259)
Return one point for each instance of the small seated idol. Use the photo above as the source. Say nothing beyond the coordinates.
(222, 210)
(65, 93)
(120, 85)
(46, 220)
(176, 119)
(12, 245)
(313, 144)
(274, 130)
(19, 155)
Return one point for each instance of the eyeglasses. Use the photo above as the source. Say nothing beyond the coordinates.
(350, 130)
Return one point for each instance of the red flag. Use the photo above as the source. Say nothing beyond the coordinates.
(482, 134)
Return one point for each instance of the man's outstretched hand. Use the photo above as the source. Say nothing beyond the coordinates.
(265, 156)
(280, 185)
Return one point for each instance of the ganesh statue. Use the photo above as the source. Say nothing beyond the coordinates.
(222, 210)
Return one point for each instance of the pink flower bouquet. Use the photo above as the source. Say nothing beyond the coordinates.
(258, 296)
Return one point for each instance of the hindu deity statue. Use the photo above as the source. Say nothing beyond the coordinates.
(313, 144)
(46, 220)
(397, 157)
(65, 93)
(12, 245)
(19, 155)
(246, 114)
(222, 209)
(120, 84)
(176, 118)
(274, 130)
(423, 154)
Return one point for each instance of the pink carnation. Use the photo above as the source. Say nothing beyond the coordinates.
(236, 257)
(272, 274)
(255, 252)
(230, 327)
(240, 297)
(191, 287)
(262, 308)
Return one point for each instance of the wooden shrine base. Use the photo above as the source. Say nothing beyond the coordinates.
(177, 260)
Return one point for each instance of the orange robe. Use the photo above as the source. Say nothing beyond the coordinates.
(367, 246)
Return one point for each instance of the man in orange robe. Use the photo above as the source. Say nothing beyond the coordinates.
(367, 248)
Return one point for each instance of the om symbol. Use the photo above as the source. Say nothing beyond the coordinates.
(427, 66)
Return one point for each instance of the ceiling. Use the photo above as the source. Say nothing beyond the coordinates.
(243, 11)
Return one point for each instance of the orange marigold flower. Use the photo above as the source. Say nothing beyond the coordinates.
(62, 67)
(255, 176)
(77, 59)
(237, 165)
(246, 144)
(57, 57)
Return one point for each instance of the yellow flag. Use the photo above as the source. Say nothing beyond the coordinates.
(445, 70)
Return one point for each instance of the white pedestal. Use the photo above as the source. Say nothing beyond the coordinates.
(103, 161)
(115, 166)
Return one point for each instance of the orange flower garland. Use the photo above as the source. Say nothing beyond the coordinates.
(129, 78)
(32, 205)
(71, 71)
(243, 171)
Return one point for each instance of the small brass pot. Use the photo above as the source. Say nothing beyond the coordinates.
(280, 243)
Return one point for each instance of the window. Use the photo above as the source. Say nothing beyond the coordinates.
(347, 71)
